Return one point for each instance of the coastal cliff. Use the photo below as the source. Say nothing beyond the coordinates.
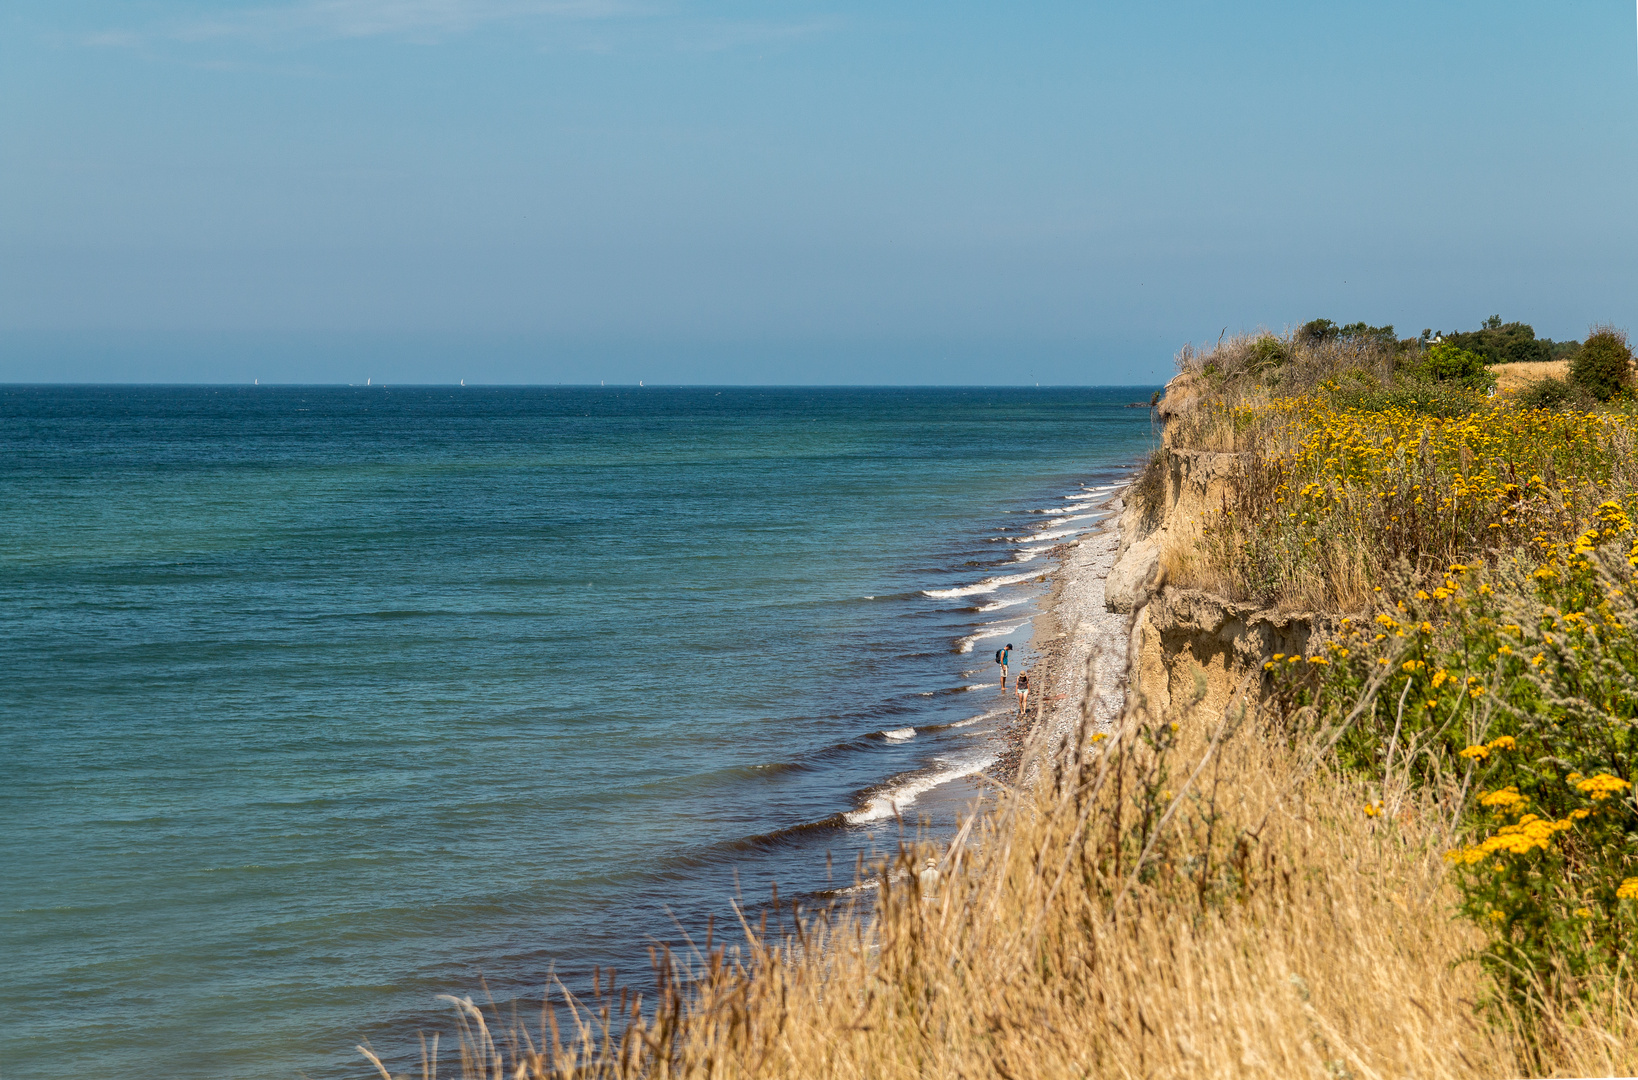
(1180, 630)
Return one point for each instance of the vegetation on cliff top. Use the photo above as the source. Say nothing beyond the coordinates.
(1479, 560)
(1355, 454)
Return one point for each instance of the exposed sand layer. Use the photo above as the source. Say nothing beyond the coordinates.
(1518, 376)
(1083, 648)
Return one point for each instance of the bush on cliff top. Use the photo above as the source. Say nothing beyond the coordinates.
(1604, 364)
(1447, 362)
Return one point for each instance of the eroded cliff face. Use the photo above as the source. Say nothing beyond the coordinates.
(1186, 634)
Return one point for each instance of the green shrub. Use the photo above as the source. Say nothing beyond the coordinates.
(1447, 362)
(1548, 393)
(1603, 365)
(1414, 393)
(1267, 352)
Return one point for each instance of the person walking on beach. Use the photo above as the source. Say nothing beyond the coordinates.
(1001, 657)
(928, 880)
(1023, 691)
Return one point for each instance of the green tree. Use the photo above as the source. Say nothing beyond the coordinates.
(1604, 364)
(1504, 343)
(1317, 331)
(1360, 331)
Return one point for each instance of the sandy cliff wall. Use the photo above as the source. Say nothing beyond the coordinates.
(1182, 631)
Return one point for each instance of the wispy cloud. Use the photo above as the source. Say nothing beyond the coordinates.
(429, 21)
(721, 35)
(116, 39)
(393, 18)
(421, 20)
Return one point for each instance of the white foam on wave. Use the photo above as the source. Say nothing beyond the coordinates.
(900, 734)
(965, 644)
(1058, 535)
(979, 686)
(988, 585)
(895, 799)
(1030, 554)
(992, 714)
(1071, 517)
(997, 605)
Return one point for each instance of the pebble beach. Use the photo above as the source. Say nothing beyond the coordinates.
(1081, 650)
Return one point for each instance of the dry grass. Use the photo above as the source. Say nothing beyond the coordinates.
(1204, 899)
(1511, 378)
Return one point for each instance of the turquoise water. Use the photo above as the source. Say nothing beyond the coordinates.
(319, 702)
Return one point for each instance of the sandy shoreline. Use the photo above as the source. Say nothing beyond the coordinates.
(1081, 648)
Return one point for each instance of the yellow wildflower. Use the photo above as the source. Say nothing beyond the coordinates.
(1602, 786)
(1508, 798)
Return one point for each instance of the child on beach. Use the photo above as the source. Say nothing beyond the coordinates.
(1023, 691)
(1001, 658)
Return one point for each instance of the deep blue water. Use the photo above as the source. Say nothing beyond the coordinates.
(318, 702)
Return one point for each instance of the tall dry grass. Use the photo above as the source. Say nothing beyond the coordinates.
(1198, 895)
(1219, 400)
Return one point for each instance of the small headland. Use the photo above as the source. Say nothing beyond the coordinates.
(1331, 775)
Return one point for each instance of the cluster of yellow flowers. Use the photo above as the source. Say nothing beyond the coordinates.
(1482, 750)
(1600, 787)
(1409, 483)
(1280, 657)
(1531, 832)
(1524, 836)
(1508, 798)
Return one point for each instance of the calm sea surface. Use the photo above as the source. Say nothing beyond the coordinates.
(318, 702)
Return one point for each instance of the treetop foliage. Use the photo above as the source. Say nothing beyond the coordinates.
(1506, 343)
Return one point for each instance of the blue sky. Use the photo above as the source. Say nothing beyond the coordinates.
(802, 192)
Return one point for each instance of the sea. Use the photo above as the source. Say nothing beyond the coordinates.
(317, 703)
